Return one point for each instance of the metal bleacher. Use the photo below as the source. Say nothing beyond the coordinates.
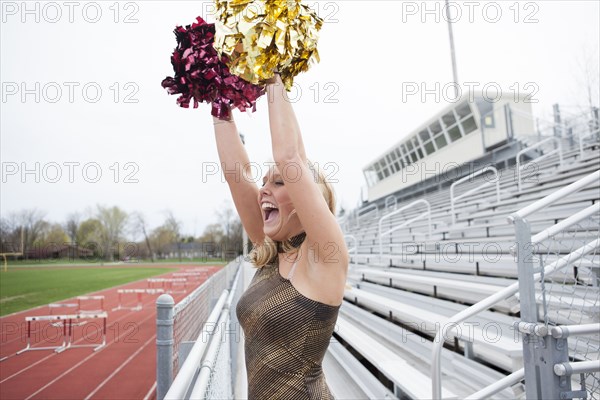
(412, 270)
(486, 286)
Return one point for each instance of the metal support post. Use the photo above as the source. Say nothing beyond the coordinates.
(164, 344)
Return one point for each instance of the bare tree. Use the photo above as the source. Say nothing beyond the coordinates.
(587, 77)
(162, 240)
(174, 226)
(139, 225)
(113, 221)
(232, 241)
(71, 226)
(10, 235)
(52, 235)
(32, 222)
(211, 240)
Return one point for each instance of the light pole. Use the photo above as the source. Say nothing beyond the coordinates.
(454, 74)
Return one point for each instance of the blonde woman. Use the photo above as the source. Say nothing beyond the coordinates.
(288, 312)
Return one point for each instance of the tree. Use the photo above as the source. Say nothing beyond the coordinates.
(113, 222)
(162, 239)
(89, 235)
(211, 240)
(10, 235)
(32, 222)
(233, 241)
(174, 226)
(139, 225)
(72, 225)
(52, 235)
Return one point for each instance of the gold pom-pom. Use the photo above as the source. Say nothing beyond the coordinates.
(262, 37)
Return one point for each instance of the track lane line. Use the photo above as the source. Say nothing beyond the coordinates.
(77, 341)
(116, 371)
(151, 393)
(76, 365)
(148, 395)
(45, 340)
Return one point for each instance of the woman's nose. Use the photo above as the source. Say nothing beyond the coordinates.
(264, 189)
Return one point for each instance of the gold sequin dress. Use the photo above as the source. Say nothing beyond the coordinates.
(286, 336)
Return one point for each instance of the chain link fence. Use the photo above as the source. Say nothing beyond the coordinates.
(181, 326)
(571, 295)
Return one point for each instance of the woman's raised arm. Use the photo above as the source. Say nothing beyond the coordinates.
(237, 172)
(323, 234)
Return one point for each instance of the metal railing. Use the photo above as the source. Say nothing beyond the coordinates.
(343, 222)
(454, 199)
(175, 333)
(583, 136)
(217, 371)
(553, 197)
(182, 384)
(557, 150)
(352, 250)
(365, 211)
(427, 214)
(500, 385)
(529, 308)
(389, 200)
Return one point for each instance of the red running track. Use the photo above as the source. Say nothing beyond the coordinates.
(124, 369)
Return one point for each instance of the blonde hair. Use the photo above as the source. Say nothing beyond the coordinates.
(266, 252)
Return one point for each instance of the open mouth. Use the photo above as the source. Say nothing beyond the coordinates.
(270, 212)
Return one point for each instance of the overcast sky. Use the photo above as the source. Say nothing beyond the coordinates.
(98, 107)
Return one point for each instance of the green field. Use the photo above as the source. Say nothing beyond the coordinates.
(81, 262)
(23, 288)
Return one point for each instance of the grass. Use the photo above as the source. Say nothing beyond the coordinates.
(99, 263)
(24, 288)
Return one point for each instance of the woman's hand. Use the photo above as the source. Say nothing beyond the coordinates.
(275, 79)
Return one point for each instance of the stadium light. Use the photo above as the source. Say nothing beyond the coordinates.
(454, 73)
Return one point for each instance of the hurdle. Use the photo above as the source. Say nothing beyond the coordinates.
(167, 284)
(178, 282)
(81, 299)
(55, 306)
(52, 319)
(78, 306)
(67, 322)
(138, 293)
(190, 275)
(201, 271)
(102, 315)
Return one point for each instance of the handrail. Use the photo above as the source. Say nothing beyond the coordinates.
(206, 368)
(355, 248)
(551, 123)
(559, 194)
(497, 386)
(533, 146)
(528, 115)
(469, 192)
(392, 197)
(182, 381)
(403, 225)
(436, 367)
(564, 331)
(581, 137)
(343, 221)
(566, 223)
(361, 212)
(574, 368)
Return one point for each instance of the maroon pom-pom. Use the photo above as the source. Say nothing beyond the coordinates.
(201, 76)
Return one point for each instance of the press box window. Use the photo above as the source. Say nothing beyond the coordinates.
(440, 141)
(469, 125)
(454, 133)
